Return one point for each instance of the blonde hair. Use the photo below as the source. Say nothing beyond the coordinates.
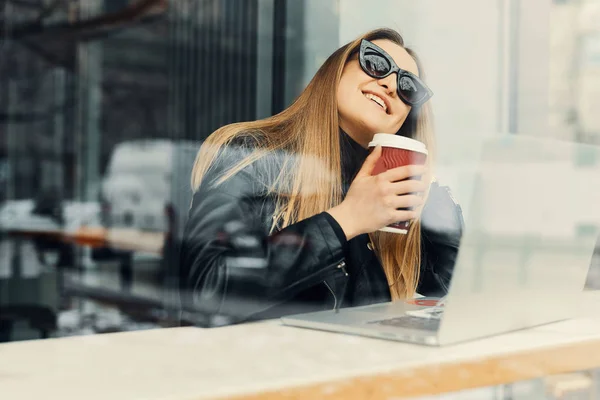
(309, 129)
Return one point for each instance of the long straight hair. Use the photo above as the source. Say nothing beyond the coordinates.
(309, 130)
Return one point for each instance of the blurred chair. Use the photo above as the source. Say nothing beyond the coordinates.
(29, 294)
(39, 318)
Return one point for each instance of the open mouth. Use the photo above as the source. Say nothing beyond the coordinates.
(377, 100)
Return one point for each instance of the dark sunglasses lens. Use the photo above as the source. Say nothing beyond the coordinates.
(376, 65)
(409, 90)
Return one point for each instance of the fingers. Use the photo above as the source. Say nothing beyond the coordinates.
(404, 172)
(407, 187)
(405, 215)
(407, 201)
(369, 164)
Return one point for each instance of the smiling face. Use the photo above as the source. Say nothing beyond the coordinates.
(366, 105)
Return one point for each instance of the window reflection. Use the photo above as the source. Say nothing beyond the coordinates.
(104, 104)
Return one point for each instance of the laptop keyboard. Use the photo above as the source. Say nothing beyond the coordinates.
(428, 324)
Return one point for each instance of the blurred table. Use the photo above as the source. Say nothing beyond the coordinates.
(267, 361)
(117, 238)
(28, 278)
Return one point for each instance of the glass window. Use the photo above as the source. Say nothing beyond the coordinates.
(104, 105)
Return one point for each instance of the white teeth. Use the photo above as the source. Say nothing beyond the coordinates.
(377, 100)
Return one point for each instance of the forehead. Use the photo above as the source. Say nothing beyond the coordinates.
(399, 54)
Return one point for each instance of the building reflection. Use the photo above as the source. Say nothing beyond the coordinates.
(103, 105)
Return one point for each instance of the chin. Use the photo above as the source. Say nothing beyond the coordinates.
(377, 127)
(380, 130)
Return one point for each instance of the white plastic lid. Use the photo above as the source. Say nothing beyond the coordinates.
(399, 142)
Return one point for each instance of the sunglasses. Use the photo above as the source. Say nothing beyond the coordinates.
(378, 64)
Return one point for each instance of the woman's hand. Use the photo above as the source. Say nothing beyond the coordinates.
(373, 202)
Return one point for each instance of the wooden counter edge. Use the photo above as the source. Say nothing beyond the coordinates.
(447, 377)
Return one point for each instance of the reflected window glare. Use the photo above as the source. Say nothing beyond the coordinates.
(104, 105)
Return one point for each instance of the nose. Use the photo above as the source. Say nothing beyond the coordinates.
(389, 83)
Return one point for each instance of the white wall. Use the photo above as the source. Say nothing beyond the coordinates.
(466, 49)
(588, 87)
(458, 42)
(562, 79)
(533, 62)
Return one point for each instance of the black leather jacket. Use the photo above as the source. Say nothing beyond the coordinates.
(233, 268)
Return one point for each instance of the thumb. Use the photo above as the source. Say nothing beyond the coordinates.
(370, 162)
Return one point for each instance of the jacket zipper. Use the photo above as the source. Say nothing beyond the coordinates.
(306, 282)
(310, 280)
(342, 266)
(333, 294)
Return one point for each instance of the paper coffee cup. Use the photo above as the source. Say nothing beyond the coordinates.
(397, 151)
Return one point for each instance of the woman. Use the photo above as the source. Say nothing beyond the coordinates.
(285, 214)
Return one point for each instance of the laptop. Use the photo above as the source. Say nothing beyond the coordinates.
(532, 217)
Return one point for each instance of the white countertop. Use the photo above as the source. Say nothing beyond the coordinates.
(242, 360)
